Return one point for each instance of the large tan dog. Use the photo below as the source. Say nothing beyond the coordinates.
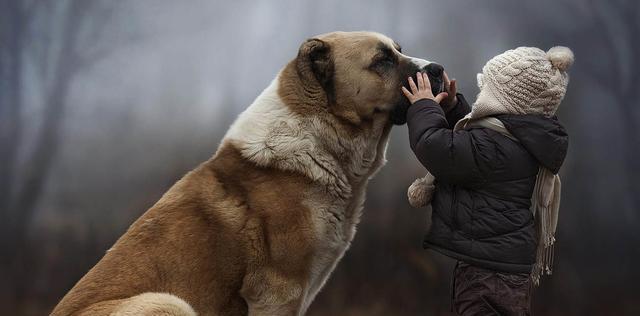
(258, 228)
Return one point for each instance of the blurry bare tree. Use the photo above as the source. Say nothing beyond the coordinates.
(56, 40)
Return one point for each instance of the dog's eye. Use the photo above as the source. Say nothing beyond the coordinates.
(386, 61)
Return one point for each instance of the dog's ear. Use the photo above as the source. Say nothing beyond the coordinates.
(315, 65)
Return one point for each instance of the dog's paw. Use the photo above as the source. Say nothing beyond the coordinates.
(421, 190)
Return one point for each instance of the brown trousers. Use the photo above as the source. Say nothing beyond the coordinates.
(478, 291)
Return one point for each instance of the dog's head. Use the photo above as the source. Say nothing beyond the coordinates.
(361, 74)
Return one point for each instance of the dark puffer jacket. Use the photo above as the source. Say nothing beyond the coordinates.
(484, 183)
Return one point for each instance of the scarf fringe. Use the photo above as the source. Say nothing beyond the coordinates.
(545, 205)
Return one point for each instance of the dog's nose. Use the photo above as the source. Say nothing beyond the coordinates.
(434, 70)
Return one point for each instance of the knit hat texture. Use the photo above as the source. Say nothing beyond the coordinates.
(525, 80)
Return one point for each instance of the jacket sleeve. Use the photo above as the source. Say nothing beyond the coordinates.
(458, 111)
(450, 156)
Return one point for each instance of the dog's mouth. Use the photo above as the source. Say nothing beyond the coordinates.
(436, 79)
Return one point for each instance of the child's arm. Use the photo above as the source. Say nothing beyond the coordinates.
(457, 111)
(449, 156)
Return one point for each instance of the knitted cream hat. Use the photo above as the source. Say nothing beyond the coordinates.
(525, 80)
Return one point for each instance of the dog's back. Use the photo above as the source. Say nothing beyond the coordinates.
(179, 246)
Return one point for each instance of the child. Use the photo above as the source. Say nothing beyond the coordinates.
(493, 183)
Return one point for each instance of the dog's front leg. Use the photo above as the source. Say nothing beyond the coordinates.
(272, 292)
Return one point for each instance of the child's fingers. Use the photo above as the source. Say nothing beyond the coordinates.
(453, 87)
(420, 81)
(447, 83)
(427, 83)
(441, 96)
(407, 93)
(412, 84)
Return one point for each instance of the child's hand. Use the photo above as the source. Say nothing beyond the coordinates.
(422, 91)
(450, 86)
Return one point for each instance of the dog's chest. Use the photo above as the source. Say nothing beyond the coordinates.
(334, 222)
(335, 219)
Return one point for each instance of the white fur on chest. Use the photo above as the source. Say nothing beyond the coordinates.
(335, 222)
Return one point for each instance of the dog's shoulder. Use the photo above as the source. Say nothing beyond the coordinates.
(269, 134)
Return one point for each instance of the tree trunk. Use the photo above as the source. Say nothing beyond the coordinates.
(39, 163)
(13, 29)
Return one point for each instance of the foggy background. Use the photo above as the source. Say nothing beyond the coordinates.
(105, 104)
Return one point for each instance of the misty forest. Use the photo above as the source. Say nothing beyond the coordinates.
(105, 104)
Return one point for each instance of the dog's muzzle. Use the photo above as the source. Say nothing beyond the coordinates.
(435, 72)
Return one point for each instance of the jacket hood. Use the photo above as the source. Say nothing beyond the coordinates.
(544, 137)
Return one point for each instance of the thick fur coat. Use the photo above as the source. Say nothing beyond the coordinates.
(258, 228)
